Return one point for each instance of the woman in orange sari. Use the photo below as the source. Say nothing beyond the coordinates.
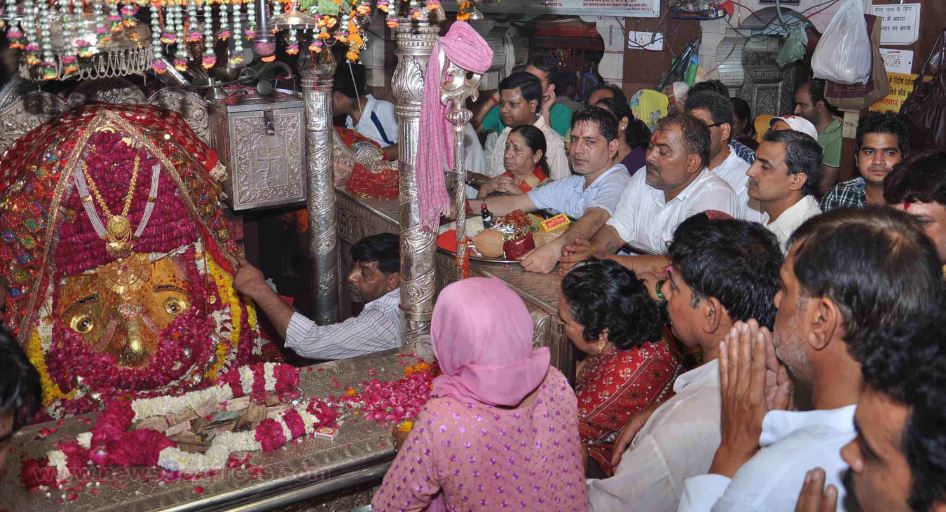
(609, 316)
(524, 160)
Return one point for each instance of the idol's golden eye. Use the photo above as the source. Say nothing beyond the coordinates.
(175, 305)
(81, 324)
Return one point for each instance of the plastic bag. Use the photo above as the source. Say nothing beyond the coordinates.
(794, 47)
(843, 54)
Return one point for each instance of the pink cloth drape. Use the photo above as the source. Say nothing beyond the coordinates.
(463, 46)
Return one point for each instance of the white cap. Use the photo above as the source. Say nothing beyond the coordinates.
(798, 124)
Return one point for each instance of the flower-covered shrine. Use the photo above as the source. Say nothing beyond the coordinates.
(160, 389)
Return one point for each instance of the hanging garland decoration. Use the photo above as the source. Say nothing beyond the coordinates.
(235, 14)
(112, 28)
(180, 54)
(210, 57)
(157, 64)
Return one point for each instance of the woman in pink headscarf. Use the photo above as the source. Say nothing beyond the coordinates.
(501, 427)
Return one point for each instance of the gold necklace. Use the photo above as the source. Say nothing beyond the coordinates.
(118, 229)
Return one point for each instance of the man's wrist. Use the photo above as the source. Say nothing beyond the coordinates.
(261, 292)
(728, 460)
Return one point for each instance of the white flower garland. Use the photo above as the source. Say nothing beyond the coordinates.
(164, 405)
(223, 444)
(226, 443)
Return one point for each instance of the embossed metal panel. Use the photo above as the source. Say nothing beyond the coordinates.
(260, 141)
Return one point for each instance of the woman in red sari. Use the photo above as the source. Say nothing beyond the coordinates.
(524, 160)
(609, 316)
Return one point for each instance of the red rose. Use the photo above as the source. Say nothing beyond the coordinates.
(287, 378)
(269, 434)
(143, 446)
(294, 422)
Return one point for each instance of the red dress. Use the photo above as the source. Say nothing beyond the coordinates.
(617, 384)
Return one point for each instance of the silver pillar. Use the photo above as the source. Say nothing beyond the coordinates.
(317, 77)
(414, 43)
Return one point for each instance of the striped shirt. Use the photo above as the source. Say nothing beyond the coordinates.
(377, 328)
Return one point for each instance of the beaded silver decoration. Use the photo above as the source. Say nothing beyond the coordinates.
(209, 58)
(157, 64)
(237, 57)
(180, 53)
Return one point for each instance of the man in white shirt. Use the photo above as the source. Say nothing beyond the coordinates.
(705, 295)
(783, 180)
(375, 279)
(716, 111)
(590, 196)
(851, 279)
(676, 186)
(368, 115)
(896, 459)
(520, 102)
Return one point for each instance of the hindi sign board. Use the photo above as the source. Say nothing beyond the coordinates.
(624, 8)
(901, 23)
(901, 85)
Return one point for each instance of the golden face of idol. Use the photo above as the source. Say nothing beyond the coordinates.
(122, 307)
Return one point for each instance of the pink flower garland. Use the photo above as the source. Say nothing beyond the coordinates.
(112, 444)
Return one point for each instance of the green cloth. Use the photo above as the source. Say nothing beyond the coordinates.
(830, 140)
(561, 120)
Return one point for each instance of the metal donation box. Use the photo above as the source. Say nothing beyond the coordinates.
(261, 141)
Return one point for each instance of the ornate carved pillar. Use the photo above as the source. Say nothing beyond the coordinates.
(413, 46)
(317, 77)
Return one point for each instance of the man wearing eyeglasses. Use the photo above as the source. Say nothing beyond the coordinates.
(715, 110)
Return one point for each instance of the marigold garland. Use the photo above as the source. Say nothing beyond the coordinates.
(35, 353)
(226, 292)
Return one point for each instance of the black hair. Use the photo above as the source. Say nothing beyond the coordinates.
(535, 139)
(742, 110)
(548, 65)
(816, 88)
(883, 122)
(918, 179)
(528, 84)
(638, 134)
(696, 136)
(710, 85)
(384, 248)
(735, 261)
(620, 109)
(909, 368)
(618, 92)
(604, 120)
(802, 154)
(20, 390)
(719, 106)
(345, 84)
(605, 295)
(875, 264)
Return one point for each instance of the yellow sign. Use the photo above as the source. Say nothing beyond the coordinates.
(901, 85)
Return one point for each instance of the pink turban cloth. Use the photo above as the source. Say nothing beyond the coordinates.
(464, 47)
(482, 337)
